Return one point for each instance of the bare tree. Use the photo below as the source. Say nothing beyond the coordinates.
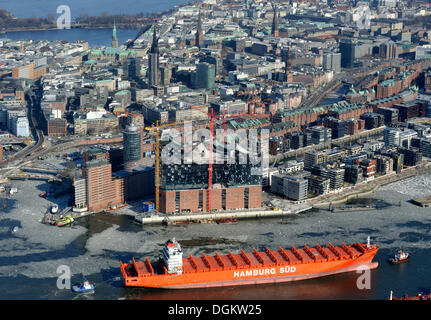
(69, 171)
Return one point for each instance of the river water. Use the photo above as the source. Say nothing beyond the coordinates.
(94, 37)
(94, 245)
(42, 8)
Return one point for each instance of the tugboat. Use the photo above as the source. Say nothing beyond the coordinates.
(400, 257)
(85, 286)
(65, 221)
(419, 296)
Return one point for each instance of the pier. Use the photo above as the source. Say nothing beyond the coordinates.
(422, 202)
(206, 217)
(52, 218)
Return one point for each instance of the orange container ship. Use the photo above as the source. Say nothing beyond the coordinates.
(172, 271)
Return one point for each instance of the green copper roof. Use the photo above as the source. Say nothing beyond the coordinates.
(96, 52)
(114, 32)
(121, 93)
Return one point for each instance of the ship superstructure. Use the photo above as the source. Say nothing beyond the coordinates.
(173, 257)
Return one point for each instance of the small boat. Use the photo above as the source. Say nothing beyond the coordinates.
(419, 296)
(65, 221)
(85, 286)
(400, 257)
(226, 220)
(167, 222)
(113, 208)
(54, 209)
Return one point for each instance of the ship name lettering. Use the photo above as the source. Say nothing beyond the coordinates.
(287, 269)
(255, 272)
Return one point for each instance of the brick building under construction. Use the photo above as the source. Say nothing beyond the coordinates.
(184, 187)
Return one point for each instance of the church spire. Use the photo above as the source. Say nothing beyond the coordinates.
(287, 65)
(199, 35)
(274, 30)
(155, 44)
(153, 61)
(114, 42)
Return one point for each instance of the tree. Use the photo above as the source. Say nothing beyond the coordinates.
(69, 171)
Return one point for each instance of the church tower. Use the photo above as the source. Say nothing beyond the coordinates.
(274, 29)
(114, 42)
(287, 66)
(153, 61)
(199, 35)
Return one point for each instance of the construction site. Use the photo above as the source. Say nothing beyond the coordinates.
(212, 175)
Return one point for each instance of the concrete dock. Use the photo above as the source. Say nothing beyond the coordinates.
(422, 202)
(184, 218)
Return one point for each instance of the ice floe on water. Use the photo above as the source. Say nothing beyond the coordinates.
(149, 243)
(28, 209)
(418, 186)
(114, 240)
(37, 250)
(390, 227)
(52, 268)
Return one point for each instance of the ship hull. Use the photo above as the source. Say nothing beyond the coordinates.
(264, 274)
(393, 261)
(273, 280)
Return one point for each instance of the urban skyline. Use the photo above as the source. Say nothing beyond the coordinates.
(220, 111)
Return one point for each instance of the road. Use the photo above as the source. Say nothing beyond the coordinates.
(320, 93)
(346, 75)
(33, 101)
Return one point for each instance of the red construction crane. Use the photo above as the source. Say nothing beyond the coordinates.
(210, 165)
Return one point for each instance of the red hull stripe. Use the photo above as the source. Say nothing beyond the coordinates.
(370, 265)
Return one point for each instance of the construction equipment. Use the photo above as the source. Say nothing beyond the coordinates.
(210, 165)
(212, 116)
(149, 129)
